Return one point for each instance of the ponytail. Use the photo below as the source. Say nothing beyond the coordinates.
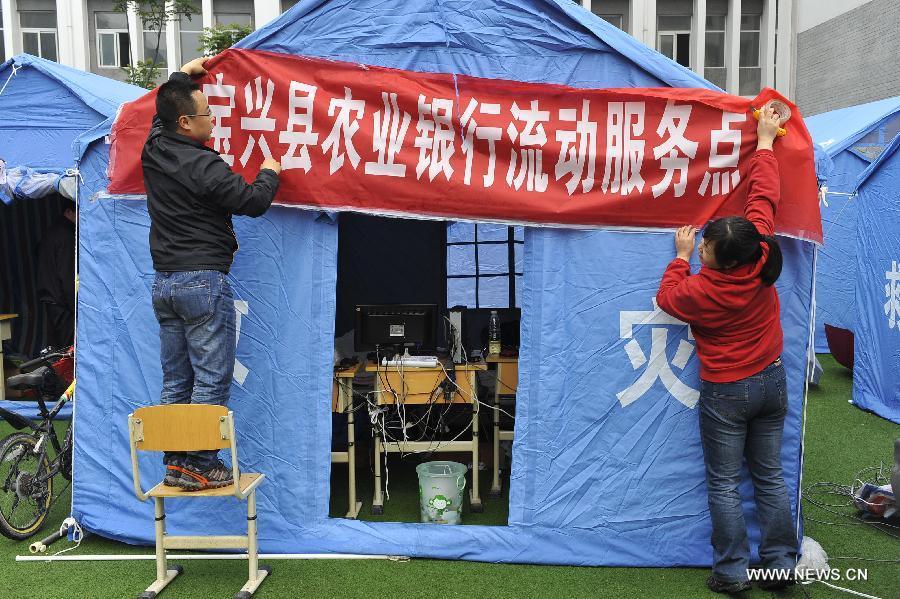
(771, 270)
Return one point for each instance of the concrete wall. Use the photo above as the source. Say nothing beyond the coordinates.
(850, 59)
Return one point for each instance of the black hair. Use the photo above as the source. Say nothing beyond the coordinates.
(174, 100)
(736, 241)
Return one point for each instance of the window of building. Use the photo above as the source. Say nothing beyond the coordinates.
(155, 45)
(673, 38)
(714, 69)
(189, 32)
(750, 77)
(237, 18)
(113, 48)
(39, 33)
(614, 20)
(484, 265)
(286, 5)
(2, 42)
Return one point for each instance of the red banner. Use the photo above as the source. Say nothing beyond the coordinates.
(386, 141)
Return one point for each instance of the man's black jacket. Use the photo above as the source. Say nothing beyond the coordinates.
(191, 195)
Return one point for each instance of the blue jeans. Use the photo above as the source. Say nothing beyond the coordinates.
(196, 317)
(745, 419)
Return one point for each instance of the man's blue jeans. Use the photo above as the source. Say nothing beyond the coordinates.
(195, 310)
(745, 419)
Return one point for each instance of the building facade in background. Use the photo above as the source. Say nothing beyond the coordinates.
(837, 53)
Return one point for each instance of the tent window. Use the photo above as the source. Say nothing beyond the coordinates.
(484, 265)
(872, 144)
(673, 38)
(750, 71)
(190, 30)
(39, 33)
(714, 69)
(113, 47)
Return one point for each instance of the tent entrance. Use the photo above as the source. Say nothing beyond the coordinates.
(395, 261)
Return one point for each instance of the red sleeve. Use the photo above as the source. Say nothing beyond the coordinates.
(677, 293)
(764, 192)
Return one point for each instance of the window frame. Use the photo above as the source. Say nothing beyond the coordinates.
(39, 31)
(706, 55)
(511, 274)
(674, 33)
(758, 66)
(98, 31)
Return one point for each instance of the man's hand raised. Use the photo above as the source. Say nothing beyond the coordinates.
(195, 67)
(272, 165)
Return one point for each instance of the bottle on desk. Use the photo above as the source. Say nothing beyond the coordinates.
(494, 334)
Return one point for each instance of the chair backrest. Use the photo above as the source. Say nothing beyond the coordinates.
(181, 427)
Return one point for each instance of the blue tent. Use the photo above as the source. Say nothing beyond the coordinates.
(849, 139)
(604, 471)
(876, 386)
(44, 107)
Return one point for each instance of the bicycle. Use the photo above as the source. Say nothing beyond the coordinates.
(26, 468)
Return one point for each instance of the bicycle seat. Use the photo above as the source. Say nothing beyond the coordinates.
(29, 380)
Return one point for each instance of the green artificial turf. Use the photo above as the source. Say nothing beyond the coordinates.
(841, 440)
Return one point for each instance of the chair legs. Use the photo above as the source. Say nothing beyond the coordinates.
(257, 573)
(164, 575)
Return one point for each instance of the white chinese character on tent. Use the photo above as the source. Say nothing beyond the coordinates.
(343, 130)
(435, 138)
(658, 366)
(578, 148)
(721, 182)
(624, 151)
(387, 140)
(221, 135)
(673, 153)
(299, 134)
(526, 163)
(257, 101)
(892, 292)
(241, 308)
(471, 131)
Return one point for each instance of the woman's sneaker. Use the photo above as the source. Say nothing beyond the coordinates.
(193, 479)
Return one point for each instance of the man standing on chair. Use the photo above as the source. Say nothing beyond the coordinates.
(191, 195)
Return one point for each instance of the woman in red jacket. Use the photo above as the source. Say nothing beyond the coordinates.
(732, 307)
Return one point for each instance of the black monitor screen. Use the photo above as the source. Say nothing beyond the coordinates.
(395, 324)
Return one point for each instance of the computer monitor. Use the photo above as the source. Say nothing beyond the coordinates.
(388, 325)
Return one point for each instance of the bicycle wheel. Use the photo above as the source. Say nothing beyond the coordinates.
(24, 497)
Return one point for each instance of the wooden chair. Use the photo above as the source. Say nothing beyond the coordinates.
(193, 427)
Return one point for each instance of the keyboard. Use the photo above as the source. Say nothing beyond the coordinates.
(411, 361)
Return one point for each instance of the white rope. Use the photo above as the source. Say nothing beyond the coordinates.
(77, 535)
(15, 69)
(846, 590)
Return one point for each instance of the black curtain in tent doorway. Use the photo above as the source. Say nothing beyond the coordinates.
(388, 261)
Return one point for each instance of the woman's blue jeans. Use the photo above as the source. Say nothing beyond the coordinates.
(195, 310)
(745, 419)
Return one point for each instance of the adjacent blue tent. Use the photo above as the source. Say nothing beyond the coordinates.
(44, 107)
(604, 471)
(849, 139)
(876, 386)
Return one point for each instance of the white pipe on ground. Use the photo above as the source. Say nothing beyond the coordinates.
(213, 556)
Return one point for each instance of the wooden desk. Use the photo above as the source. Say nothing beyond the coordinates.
(507, 383)
(342, 402)
(421, 386)
(5, 333)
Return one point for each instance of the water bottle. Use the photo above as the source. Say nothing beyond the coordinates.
(494, 334)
